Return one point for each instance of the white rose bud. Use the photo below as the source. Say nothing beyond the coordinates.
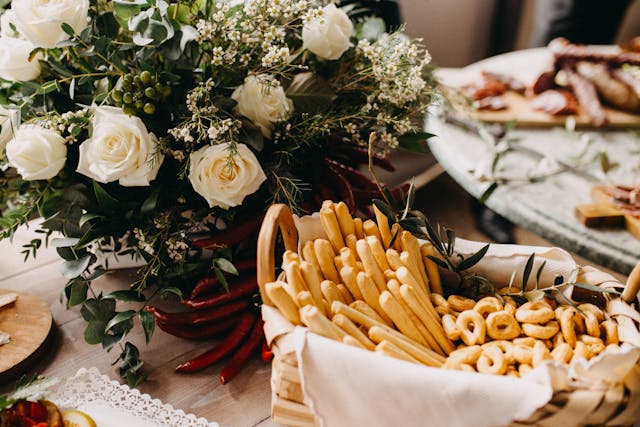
(41, 21)
(262, 100)
(120, 149)
(14, 60)
(220, 182)
(37, 152)
(8, 126)
(328, 34)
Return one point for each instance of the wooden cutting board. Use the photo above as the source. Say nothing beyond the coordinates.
(29, 322)
(603, 213)
(523, 114)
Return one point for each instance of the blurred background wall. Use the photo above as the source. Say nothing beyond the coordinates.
(460, 32)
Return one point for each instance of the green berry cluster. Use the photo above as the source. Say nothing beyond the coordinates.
(139, 93)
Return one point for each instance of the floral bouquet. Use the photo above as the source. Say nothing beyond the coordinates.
(162, 130)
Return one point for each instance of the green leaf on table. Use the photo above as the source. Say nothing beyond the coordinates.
(78, 288)
(126, 296)
(226, 266)
(310, 93)
(473, 259)
(119, 319)
(148, 324)
(75, 267)
(415, 142)
(98, 309)
(94, 331)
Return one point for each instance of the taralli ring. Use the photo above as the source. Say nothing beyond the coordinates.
(610, 329)
(460, 303)
(502, 326)
(473, 328)
(466, 355)
(541, 332)
(488, 305)
(510, 305)
(534, 312)
(450, 328)
(568, 327)
(492, 361)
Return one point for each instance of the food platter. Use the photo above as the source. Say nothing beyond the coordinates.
(525, 65)
(112, 404)
(29, 323)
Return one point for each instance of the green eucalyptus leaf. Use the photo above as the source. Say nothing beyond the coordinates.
(74, 268)
(105, 200)
(151, 203)
(67, 242)
(119, 318)
(78, 292)
(415, 142)
(68, 29)
(94, 331)
(126, 295)
(48, 87)
(98, 309)
(148, 324)
(226, 266)
(109, 340)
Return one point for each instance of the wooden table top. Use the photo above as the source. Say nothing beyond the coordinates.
(245, 401)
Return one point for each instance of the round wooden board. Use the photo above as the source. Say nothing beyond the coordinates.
(29, 322)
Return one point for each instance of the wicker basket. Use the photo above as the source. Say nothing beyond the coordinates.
(581, 407)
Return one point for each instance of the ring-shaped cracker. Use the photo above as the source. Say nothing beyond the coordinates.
(534, 312)
(473, 329)
(502, 326)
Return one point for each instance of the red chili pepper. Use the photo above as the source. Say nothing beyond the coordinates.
(210, 315)
(236, 291)
(210, 283)
(233, 235)
(343, 187)
(267, 354)
(354, 176)
(242, 354)
(199, 332)
(224, 347)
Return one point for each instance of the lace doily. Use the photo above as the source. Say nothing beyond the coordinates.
(112, 404)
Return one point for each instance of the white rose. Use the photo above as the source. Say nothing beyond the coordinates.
(328, 34)
(37, 152)
(41, 21)
(120, 149)
(8, 125)
(8, 25)
(220, 182)
(262, 100)
(14, 60)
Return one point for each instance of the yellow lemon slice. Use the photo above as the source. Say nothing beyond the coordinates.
(76, 418)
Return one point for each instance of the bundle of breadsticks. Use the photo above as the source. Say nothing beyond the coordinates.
(374, 287)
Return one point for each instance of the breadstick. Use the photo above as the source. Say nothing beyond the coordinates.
(294, 278)
(367, 310)
(403, 321)
(411, 245)
(348, 339)
(289, 256)
(348, 258)
(371, 229)
(390, 275)
(337, 261)
(305, 298)
(358, 225)
(395, 232)
(383, 226)
(350, 328)
(313, 279)
(371, 295)
(392, 350)
(408, 262)
(327, 204)
(406, 278)
(324, 253)
(330, 291)
(344, 293)
(394, 288)
(319, 324)
(354, 315)
(345, 219)
(309, 254)
(350, 240)
(435, 285)
(370, 265)
(424, 355)
(410, 297)
(378, 252)
(332, 228)
(348, 275)
(283, 301)
(393, 258)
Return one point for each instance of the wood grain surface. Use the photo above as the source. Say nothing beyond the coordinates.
(244, 402)
(28, 321)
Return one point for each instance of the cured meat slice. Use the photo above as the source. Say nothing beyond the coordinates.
(511, 82)
(555, 102)
(587, 97)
